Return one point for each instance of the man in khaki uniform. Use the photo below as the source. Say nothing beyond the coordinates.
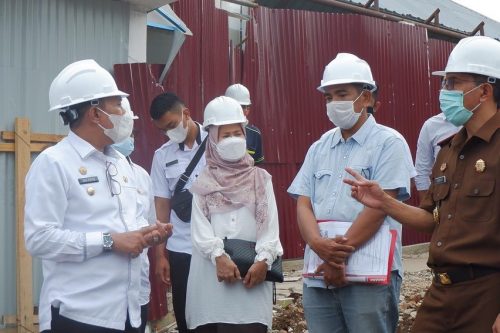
(461, 208)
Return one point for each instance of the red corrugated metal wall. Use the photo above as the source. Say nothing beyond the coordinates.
(283, 62)
(284, 59)
(199, 73)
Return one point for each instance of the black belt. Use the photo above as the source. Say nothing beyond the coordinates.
(459, 274)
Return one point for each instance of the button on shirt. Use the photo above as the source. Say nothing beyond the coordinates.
(68, 207)
(169, 163)
(468, 231)
(374, 152)
(434, 130)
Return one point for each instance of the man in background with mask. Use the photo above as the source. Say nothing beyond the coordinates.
(241, 94)
(170, 161)
(80, 212)
(376, 152)
(461, 208)
(146, 214)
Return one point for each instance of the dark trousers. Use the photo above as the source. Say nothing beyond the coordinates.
(232, 328)
(179, 272)
(61, 324)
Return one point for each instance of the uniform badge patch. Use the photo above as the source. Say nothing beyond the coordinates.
(480, 165)
(88, 180)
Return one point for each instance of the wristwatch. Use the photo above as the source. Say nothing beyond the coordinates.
(107, 241)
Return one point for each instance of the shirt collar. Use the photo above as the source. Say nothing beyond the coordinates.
(485, 133)
(198, 137)
(85, 149)
(361, 134)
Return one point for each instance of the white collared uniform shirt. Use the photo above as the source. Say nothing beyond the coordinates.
(146, 216)
(169, 163)
(373, 151)
(69, 205)
(434, 130)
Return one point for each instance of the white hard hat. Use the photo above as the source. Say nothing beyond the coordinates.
(79, 82)
(127, 108)
(347, 68)
(240, 93)
(223, 110)
(474, 55)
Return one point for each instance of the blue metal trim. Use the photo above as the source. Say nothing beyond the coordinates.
(170, 19)
(161, 26)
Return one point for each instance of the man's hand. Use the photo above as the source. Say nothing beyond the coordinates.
(334, 251)
(226, 269)
(256, 274)
(158, 233)
(131, 242)
(496, 325)
(368, 192)
(332, 276)
(162, 269)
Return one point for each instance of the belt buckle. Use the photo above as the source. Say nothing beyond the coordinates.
(444, 278)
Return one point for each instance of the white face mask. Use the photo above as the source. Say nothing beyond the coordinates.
(232, 149)
(178, 134)
(122, 126)
(341, 113)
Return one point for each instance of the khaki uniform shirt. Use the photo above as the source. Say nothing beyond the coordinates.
(464, 196)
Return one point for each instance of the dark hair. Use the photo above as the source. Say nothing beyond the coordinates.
(479, 79)
(73, 114)
(164, 103)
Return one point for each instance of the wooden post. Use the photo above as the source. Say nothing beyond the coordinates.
(22, 143)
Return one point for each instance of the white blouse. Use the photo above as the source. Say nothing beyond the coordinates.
(211, 301)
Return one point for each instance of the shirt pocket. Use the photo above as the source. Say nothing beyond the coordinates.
(440, 192)
(364, 170)
(321, 180)
(478, 204)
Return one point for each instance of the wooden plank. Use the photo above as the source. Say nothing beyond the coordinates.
(35, 147)
(35, 137)
(24, 262)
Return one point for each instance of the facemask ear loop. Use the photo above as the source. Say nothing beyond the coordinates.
(356, 100)
(474, 108)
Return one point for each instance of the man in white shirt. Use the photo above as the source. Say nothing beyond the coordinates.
(434, 130)
(171, 116)
(80, 212)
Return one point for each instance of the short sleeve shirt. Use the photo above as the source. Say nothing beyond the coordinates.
(374, 151)
(169, 163)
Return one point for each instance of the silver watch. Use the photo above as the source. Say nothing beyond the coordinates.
(107, 241)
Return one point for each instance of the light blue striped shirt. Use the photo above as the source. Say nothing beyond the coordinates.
(374, 151)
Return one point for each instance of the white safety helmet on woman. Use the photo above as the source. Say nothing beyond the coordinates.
(80, 82)
(347, 68)
(223, 110)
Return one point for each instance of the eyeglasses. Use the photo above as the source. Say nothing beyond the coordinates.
(449, 83)
(114, 185)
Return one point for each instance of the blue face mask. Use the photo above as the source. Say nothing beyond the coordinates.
(126, 147)
(452, 106)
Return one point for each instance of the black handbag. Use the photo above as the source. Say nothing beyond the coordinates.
(182, 200)
(243, 254)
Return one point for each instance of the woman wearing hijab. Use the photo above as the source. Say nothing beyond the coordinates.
(232, 199)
